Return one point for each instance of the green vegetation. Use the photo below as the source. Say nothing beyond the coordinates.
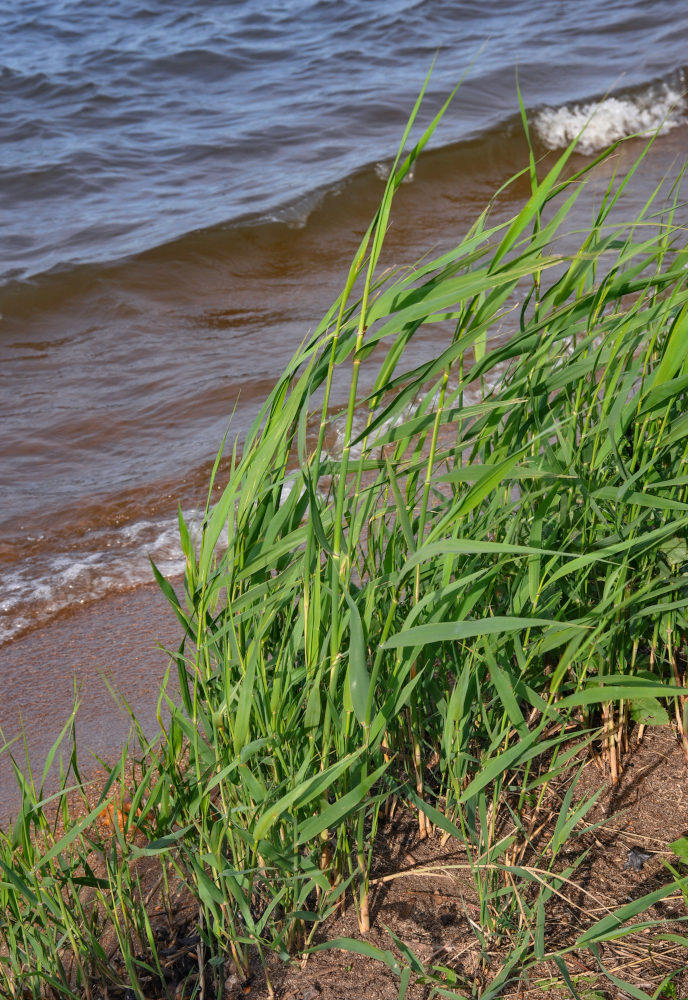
(484, 573)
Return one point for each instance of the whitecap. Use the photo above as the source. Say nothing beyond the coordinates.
(600, 123)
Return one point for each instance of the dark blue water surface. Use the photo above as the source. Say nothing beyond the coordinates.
(124, 125)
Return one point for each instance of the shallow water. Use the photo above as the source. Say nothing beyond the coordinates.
(181, 192)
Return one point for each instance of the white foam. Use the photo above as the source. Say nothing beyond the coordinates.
(107, 560)
(383, 170)
(427, 400)
(111, 560)
(600, 123)
(359, 426)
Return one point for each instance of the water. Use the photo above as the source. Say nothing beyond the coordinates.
(181, 188)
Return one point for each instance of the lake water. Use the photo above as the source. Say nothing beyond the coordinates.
(181, 189)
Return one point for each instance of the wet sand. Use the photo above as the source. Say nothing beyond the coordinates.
(114, 640)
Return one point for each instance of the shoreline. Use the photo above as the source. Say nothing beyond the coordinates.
(435, 636)
(111, 639)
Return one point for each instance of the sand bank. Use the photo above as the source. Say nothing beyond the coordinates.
(112, 641)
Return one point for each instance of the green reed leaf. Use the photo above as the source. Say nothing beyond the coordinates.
(357, 674)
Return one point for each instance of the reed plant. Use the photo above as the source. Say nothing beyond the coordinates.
(75, 914)
(440, 596)
(425, 596)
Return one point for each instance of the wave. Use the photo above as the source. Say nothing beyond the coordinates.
(245, 287)
(657, 108)
(489, 155)
(107, 561)
(483, 162)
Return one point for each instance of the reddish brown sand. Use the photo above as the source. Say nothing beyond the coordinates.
(112, 640)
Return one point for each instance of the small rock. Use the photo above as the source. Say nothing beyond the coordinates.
(635, 859)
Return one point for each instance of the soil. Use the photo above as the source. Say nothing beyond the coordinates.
(429, 904)
(422, 892)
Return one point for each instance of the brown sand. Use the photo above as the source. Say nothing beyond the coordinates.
(113, 640)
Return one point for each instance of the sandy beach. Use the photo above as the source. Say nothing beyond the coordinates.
(112, 642)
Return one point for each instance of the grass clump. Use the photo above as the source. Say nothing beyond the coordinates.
(434, 597)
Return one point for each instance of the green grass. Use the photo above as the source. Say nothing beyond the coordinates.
(489, 568)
